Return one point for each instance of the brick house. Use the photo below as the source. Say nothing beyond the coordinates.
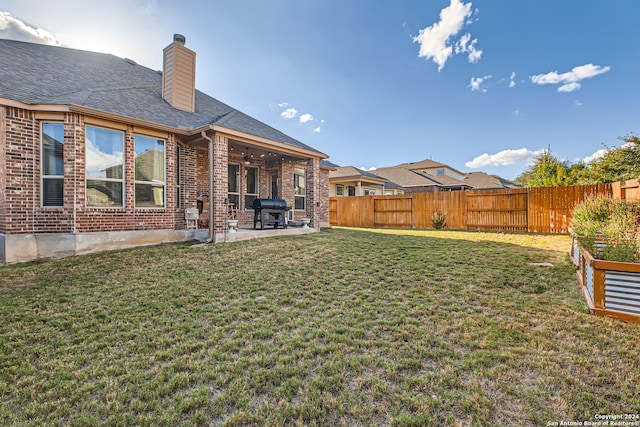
(98, 152)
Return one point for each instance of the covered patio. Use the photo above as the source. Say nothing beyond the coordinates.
(234, 168)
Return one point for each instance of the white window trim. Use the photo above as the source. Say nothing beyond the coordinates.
(124, 175)
(238, 180)
(153, 183)
(51, 177)
(246, 193)
(300, 196)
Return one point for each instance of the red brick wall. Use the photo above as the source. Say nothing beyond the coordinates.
(20, 170)
(22, 210)
(323, 210)
(188, 187)
(3, 181)
(20, 182)
(313, 191)
(202, 167)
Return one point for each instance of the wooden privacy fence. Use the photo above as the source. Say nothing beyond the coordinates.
(534, 210)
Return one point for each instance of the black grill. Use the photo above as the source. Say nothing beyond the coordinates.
(269, 212)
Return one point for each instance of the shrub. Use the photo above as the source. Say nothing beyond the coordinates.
(439, 220)
(608, 229)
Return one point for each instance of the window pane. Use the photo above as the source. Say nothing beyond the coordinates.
(149, 195)
(248, 201)
(252, 181)
(299, 202)
(53, 149)
(149, 159)
(104, 193)
(299, 181)
(52, 192)
(235, 199)
(234, 182)
(105, 153)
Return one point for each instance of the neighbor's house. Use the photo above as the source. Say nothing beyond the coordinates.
(428, 176)
(98, 152)
(352, 181)
(484, 181)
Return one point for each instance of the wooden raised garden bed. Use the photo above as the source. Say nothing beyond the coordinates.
(611, 288)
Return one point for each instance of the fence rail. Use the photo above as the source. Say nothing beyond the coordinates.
(534, 210)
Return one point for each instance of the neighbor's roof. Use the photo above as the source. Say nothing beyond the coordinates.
(446, 180)
(41, 74)
(426, 164)
(480, 180)
(354, 173)
(328, 165)
(406, 177)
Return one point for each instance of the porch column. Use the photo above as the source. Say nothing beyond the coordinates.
(314, 202)
(218, 185)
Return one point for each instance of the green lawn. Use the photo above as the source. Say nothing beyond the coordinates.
(344, 327)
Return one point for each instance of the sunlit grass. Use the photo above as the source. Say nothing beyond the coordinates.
(345, 327)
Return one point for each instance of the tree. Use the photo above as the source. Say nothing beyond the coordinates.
(547, 171)
(618, 163)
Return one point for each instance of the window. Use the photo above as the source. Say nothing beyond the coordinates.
(300, 187)
(369, 192)
(52, 164)
(234, 184)
(351, 190)
(104, 167)
(251, 193)
(150, 172)
(339, 190)
(440, 172)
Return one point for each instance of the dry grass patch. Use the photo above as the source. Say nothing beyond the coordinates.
(345, 327)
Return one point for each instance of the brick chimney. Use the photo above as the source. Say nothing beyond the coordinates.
(179, 75)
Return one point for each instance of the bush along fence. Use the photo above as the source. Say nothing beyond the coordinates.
(533, 210)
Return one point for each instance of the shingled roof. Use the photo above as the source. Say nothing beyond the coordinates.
(42, 74)
(353, 172)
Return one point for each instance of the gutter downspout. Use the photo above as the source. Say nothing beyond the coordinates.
(212, 188)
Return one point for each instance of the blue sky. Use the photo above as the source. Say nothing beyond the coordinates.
(478, 85)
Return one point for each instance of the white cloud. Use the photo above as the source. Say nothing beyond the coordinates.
(569, 81)
(503, 158)
(512, 79)
(289, 113)
(577, 103)
(463, 46)
(595, 156)
(15, 29)
(306, 118)
(362, 168)
(434, 40)
(569, 87)
(476, 83)
(516, 113)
